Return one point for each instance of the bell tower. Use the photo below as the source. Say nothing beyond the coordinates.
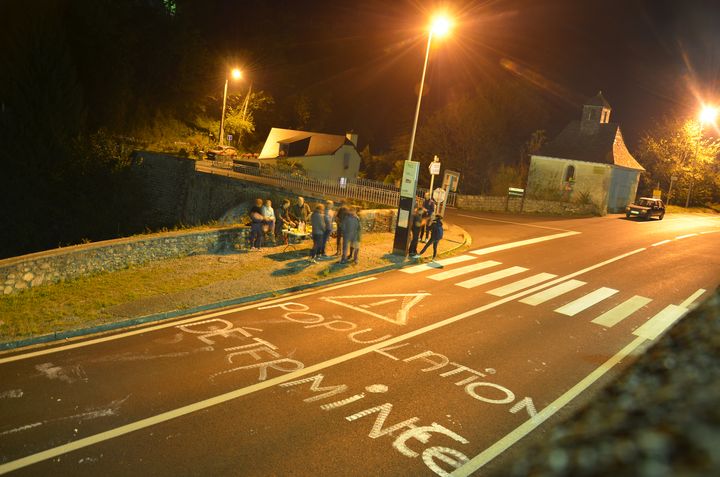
(596, 111)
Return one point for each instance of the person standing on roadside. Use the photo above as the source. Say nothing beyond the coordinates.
(317, 220)
(256, 226)
(301, 211)
(329, 219)
(352, 232)
(339, 217)
(436, 234)
(269, 215)
(415, 226)
(429, 206)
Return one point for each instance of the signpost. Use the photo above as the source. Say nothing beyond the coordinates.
(434, 171)
(408, 187)
(515, 192)
(450, 183)
(669, 194)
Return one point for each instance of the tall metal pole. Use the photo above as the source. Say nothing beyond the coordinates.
(417, 109)
(222, 117)
(246, 102)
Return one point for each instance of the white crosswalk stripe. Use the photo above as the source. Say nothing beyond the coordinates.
(585, 302)
(660, 322)
(464, 270)
(550, 293)
(521, 284)
(438, 264)
(620, 312)
(491, 277)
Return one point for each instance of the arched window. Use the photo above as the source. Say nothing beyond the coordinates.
(570, 173)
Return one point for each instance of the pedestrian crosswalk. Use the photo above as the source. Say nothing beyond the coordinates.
(542, 287)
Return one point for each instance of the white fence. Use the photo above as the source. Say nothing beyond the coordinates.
(358, 189)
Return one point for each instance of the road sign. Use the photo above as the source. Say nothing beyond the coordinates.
(657, 194)
(439, 195)
(409, 179)
(450, 181)
(435, 167)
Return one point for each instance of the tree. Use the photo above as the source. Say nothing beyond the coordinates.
(678, 147)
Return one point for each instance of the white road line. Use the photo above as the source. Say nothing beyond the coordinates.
(656, 325)
(513, 223)
(553, 292)
(148, 329)
(491, 277)
(521, 284)
(528, 426)
(431, 266)
(222, 398)
(692, 298)
(661, 243)
(521, 243)
(381, 302)
(585, 302)
(710, 232)
(614, 316)
(463, 270)
(685, 236)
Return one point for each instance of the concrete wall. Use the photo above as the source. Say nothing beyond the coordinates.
(515, 204)
(29, 271)
(591, 184)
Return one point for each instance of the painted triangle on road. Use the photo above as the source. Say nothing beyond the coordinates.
(392, 307)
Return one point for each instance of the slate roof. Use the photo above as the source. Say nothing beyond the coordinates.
(598, 100)
(606, 146)
(318, 144)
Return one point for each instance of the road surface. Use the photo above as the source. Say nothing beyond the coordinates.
(420, 371)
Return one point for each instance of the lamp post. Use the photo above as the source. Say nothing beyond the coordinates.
(236, 74)
(440, 26)
(708, 115)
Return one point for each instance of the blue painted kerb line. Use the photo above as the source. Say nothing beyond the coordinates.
(62, 335)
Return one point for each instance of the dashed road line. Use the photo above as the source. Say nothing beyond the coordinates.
(685, 236)
(661, 243)
(521, 243)
(692, 298)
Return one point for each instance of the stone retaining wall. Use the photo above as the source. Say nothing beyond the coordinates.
(530, 206)
(28, 271)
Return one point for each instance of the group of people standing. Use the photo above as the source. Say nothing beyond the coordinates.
(345, 221)
(426, 227)
(324, 219)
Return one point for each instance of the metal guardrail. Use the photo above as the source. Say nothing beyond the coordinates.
(366, 190)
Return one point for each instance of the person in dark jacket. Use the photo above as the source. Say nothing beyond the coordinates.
(256, 225)
(339, 217)
(415, 226)
(352, 233)
(429, 206)
(284, 219)
(300, 211)
(317, 220)
(436, 234)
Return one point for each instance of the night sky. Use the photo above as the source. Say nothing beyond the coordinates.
(650, 58)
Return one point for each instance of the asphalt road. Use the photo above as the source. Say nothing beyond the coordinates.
(412, 372)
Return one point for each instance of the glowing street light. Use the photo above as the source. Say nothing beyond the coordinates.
(236, 74)
(708, 115)
(440, 27)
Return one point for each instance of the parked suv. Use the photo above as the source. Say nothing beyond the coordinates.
(645, 208)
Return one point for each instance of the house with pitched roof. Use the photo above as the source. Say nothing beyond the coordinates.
(325, 156)
(587, 162)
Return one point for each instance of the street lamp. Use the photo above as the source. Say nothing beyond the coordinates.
(708, 115)
(236, 74)
(440, 27)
